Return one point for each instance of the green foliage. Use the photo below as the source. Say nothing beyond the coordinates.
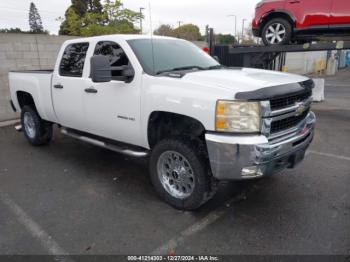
(188, 31)
(72, 24)
(19, 31)
(35, 23)
(90, 18)
(12, 30)
(81, 7)
(164, 30)
(225, 39)
(95, 6)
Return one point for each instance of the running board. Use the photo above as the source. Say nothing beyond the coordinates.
(109, 146)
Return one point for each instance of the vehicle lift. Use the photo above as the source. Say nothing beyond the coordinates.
(265, 57)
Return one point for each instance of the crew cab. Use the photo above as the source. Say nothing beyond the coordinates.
(164, 98)
(279, 22)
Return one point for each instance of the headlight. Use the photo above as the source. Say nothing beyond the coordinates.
(238, 117)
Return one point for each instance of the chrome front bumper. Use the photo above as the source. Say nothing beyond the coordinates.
(246, 157)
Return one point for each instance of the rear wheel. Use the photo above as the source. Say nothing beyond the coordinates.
(277, 32)
(37, 131)
(180, 173)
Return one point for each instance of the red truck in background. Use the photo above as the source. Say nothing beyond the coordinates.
(280, 22)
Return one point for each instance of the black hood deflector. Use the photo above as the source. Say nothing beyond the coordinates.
(274, 92)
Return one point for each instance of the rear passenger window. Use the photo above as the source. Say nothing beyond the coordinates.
(73, 59)
(115, 54)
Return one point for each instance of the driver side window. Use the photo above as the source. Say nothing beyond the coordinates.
(115, 54)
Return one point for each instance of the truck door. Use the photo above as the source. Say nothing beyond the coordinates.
(113, 109)
(340, 14)
(68, 87)
(310, 13)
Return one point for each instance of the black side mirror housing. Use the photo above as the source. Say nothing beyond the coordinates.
(129, 74)
(100, 69)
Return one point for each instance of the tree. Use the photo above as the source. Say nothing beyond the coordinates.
(164, 30)
(225, 39)
(189, 32)
(116, 13)
(79, 7)
(94, 6)
(89, 18)
(72, 24)
(12, 30)
(35, 23)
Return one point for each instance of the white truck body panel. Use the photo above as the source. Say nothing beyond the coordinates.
(38, 84)
(194, 95)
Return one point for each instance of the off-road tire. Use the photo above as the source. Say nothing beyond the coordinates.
(195, 153)
(42, 129)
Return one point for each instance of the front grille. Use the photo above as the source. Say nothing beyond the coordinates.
(289, 100)
(287, 123)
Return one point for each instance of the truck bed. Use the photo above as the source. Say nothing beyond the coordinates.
(36, 83)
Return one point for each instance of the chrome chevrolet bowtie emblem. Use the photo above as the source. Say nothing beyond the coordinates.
(301, 109)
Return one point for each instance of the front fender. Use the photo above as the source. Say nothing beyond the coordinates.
(174, 96)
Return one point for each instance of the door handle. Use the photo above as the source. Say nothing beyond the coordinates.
(294, 2)
(91, 90)
(58, 86)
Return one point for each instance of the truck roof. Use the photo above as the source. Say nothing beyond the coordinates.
(118, 37)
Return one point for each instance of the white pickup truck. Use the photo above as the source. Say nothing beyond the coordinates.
(198, 121)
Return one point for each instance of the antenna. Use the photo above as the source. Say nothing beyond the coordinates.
(152, 44)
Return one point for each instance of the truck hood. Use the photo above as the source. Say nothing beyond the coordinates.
(241, 79)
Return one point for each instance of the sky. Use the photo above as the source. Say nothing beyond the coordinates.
(199, 12)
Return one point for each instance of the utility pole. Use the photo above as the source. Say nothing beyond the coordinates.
(243, 28)
(207, 33)
(141, 8)
(179, 22)
(235, 29)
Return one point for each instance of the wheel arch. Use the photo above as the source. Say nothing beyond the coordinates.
(162, 124)
(25, 99)
(278, 13)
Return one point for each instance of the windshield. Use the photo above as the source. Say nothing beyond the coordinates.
(170, 55)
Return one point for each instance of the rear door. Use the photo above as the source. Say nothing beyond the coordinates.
(310, 13)
(340, 13)
(68, 87)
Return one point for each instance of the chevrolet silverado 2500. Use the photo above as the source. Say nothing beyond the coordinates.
(166, 99)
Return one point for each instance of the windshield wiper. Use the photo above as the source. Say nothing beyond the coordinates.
(180, 68)
(215, 67)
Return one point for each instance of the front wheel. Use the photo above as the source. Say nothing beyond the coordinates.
(37, 131)
(277, 32)
(180, 173)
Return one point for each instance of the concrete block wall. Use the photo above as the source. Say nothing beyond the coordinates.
(24, 52)
(303, 63)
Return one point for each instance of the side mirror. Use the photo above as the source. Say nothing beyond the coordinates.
(125, 73)
(129, 74)
(100, 69)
